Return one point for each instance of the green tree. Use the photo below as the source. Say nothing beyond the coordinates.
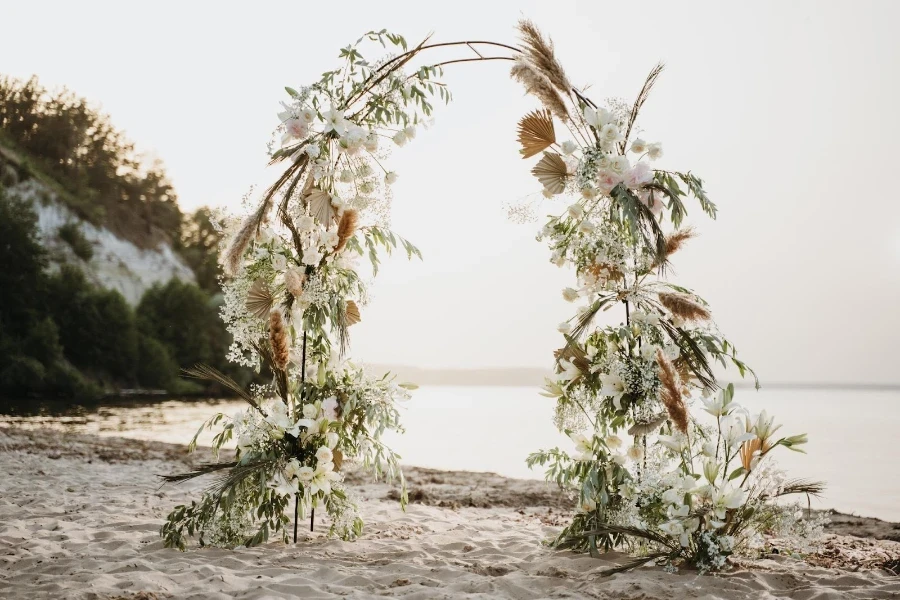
(199, 246)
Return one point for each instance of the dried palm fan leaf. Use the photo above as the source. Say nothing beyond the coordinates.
(552, 172)
(685, 307)
(647, 427)
(351, 313)
(539, 86)
(259, 299)
(536, 132)
(670, 392)
(320, 207)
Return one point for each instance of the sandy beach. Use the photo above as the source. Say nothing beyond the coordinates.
(79, 518)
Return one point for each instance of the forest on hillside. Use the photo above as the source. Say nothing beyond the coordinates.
(60, 336)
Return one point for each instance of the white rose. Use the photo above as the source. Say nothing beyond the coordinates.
(324, 454)
(654, 151)
(332, 439)
(610, 134)
(564, 327)
(410, 132)
(576, 211)
(613, 442)
(305, 474)
(568, 147)
(638, 146)
(400, 139)
(636, 453)
(570, 294)
(312, 256)
(307, 115)
(310, 411)
(390, 178)
(313, 150)
(371, 143)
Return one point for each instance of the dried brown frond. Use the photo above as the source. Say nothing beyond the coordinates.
(684, 306)
(539, 51)
(337, 457)
(351, 313)
(642, 97)
(552, 172)
(675, 241)
(605, 271)
(670, 392)
(294, 280)
(278, 337)
(346, 228)
(234, 253)
(259, 299)
(748, 449)
(539, 86)
(536, 132)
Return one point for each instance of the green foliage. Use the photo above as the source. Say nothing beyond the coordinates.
(156, 368)
(23, 259)
(182, 317)
(101, 175)
(199, 247)
(71, 234)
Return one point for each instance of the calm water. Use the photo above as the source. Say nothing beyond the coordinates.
(852, 434)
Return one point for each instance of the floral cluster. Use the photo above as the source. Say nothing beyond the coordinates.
(292, 288)
(679, 489)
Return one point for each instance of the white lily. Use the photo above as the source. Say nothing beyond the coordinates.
(612, 386)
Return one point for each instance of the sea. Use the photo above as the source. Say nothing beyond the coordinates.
(853, 434)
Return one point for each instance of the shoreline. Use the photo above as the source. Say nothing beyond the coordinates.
(80, 515)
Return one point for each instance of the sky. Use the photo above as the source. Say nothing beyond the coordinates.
(788, 110)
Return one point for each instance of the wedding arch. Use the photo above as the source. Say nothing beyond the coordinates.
(680, 490)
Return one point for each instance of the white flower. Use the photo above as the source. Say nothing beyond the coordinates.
(332, 439)
(676, 443)
(619, 165)
(291, 469)
(597, 118)
(570, 294)
(636, 453)
(612, 386)
(313, 150)
(295, 129)
(279, 262)
(564, 327)
(584, 446)
(711, 470)
(390, 178)
(576, 211)
(410, 131)
(568, 147)
(307, 115)
(400, 138)
(570, 371)
(648, 351)
(310, 411)
(312, 256)
(334, 121)
(324, 454)
(709, 449)
(322, 478)
(638, 175)
(305, 474)
(305, 223)
(764, 426)
(719, 406)
(589, 193)
(607, 180)
(727, 498)
(282, 486)
(734, 431)
(654, 151)
(638, 146)
(329, 408)
(610, 134)
(551, 389)
(619, 459)
(371, 142)
(613, 442)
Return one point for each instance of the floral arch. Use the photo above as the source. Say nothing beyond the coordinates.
(681, 490)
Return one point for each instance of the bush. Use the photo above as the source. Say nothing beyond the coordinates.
(71, 234)
(156, 368)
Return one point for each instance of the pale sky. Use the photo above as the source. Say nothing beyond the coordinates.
(788, 110)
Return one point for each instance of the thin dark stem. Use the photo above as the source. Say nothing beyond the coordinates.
(302, 384)
(479, 59)
(312, 519)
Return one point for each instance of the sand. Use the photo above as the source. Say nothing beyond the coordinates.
(79, 518)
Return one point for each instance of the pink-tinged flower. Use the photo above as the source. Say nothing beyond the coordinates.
(638, 175)
(607, 180)
(296, 129)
